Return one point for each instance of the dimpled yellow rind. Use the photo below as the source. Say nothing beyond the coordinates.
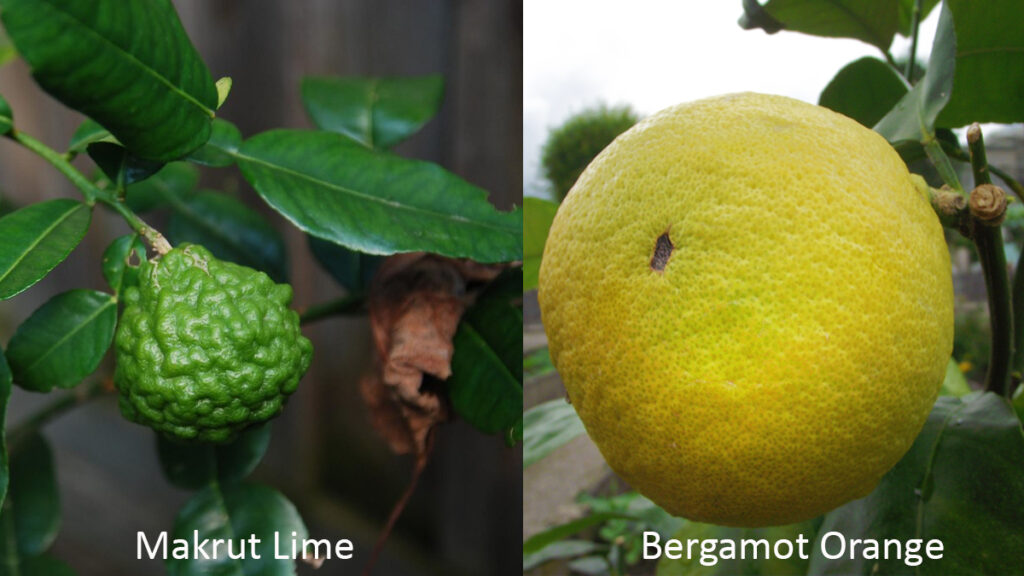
(792, 346)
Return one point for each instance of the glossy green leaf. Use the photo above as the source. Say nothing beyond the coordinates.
(537, 217)
(989, 79)
(63, 341)
(541, 540)
(121, 262)
(128, 64)
(230, 230)
(121, 166)
(955, 383)
(176, 180)
(6, 116)
(36, 239)
(31, 515)
(352, 270)
(193, 466)
(962, 482)
(486, 385)
(5, 397)
(376, 202)
(864, 90)
(235, 512)
(89, 132)
(219, 150)
(871, 21)
(378, 112)
(794, 565)
(547, 427)
(560, 550)
(914, 116)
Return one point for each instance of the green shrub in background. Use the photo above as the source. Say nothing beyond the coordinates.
(571, 146)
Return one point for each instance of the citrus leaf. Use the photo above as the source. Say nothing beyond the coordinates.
(128, 64)
(193, 466)
(914, 116)
(117, 262)
(31, 517)
(955, 383)
(5, 397)
(219, 150)
(486, 385)
(864, 90)
(89, 132)
(961, 482)
(541, 540)
(989, 67)
(548, 427)
(6, 116)
(871, 21)
(175, 180)
(121, 166)
(231, 231)
(378, 112)
(537, 217)
(376, 202)
(223, 90)
(63, 341)
(352, 270)
(235, 512)
(37, 238)
(560, 550)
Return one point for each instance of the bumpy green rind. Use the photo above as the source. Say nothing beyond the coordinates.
(206, 348)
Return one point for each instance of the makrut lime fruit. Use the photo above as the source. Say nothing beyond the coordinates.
(749, 301)
(206, 348)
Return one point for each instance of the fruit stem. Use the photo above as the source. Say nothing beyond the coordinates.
(988, 239)
(90, 191)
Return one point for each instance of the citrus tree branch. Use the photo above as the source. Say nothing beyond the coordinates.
(90, 191)
(988, 208)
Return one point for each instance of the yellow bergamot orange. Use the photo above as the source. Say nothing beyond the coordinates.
(749, 301)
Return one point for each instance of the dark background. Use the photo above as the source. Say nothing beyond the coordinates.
(466, 515)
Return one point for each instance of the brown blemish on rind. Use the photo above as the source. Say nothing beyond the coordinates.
(662, 252)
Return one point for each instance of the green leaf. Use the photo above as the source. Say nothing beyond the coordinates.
(235, 512)
(378, 112)
(547, 427)
(7, 51)
(219, 151)
(223, 90)
(128, 64)
(353, 270)
(560, 550)
(63, 341)
(193, 466)
(794, 565)
(36, 239)
(376, 202)
(864, 90)
(989, 78)
(541, 540)
(89, 132)
(962, 482)
(486, 385)
(121, 166)
(31, 514)
(871, 21)
(955, 383)
(231, 231)
(913, 117)
(5, 397)
(121, 262)
(176, 180)
(6, 116)
(537, 217)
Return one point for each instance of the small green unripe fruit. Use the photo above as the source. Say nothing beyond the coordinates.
(206, 348)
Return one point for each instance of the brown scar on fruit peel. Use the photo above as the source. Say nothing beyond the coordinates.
(662, 252)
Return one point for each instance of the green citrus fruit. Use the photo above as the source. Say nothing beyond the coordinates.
(749, 301)
(206, 348)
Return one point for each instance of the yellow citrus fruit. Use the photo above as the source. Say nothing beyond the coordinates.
(749, 301)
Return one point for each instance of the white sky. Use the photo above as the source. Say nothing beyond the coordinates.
(655, 53)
